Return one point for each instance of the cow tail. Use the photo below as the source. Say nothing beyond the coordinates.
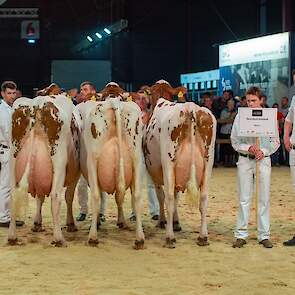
(193, 190)
(121, 179)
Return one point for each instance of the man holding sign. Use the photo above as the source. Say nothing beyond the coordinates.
(255, 143)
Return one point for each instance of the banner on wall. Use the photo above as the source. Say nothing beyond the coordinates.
(262, 62)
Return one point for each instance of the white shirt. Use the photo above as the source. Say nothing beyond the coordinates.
(241, 144)
(5, 127)
(5, 123)
(290, 118)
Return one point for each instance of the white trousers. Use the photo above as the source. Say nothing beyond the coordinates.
(152, 198)
(83, 197)
(246, 171)
(4, 192)
(292, 166)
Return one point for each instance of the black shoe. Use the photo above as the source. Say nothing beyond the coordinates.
(17, 223)
(290, 242)
(4, 224)
(102, 217)
(81, 217)
(155, 217)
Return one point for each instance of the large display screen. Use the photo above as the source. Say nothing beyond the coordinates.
(262, 62)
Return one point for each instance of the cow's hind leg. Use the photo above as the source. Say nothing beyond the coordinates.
(71, 227)
(137, 195)
(12, 238)
(121, 223)
(56, 197)
(203, 238)
(176, 224)
(170, 205)
(37, 226)
(161, 198)
(95, 200)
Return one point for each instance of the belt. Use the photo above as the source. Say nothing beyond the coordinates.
(4, 146)
(252, 157)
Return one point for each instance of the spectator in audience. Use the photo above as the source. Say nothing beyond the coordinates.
(284, 106)
(292, 88)
(226, 121)
(18, 93)
(264, 101)
(72, 93)
(275, 157)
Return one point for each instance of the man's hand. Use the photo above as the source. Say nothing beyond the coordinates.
(287, 143)
(259, 155)
(252, 149)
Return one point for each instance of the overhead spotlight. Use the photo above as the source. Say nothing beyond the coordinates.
(31, 41)
(89, 39)
(98, 35)
(107, 31)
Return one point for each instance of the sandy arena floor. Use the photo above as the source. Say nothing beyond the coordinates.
(115, 268)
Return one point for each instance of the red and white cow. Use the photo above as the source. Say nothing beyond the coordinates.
(44, 157)
(179, 149)
(111, 155)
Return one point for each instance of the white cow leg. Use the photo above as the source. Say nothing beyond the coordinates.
(137, 196)
(203, 238)
(56, 197)
(37, 226)
(95, 199)
(12, 238)
(161, 198)
(71, 227)
(169, 203)
(176, 224)
(121, 223)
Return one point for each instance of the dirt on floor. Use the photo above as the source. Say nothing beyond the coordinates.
(114, 267)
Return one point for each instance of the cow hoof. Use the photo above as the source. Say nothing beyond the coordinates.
(13, 242)
(202, 241)
(176, 226)
(93, 243)
(170, 243)
(59, 244)
(161, 224)
(37, 228)
(122, 225)
(71, 228)
(138, 245)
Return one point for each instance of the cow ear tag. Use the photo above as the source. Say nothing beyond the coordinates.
(129, 98)
(180, 94)
(93, 98)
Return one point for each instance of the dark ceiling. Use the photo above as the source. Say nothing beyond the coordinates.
(164, 38)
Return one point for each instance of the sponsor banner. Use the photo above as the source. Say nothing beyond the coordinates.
(254, 50)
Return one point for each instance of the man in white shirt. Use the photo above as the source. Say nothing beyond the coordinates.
(249, 153)
(8, 93)
(87, 92)
(289, 142)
